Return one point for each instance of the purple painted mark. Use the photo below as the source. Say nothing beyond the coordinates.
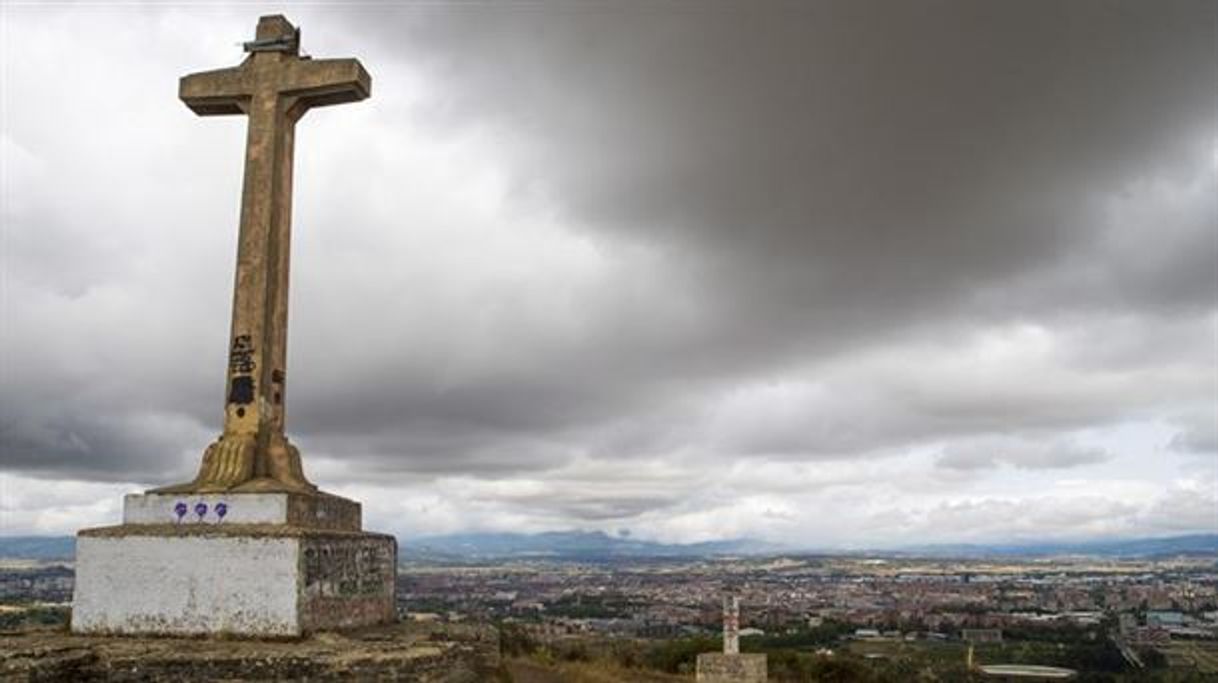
(180, 509)
(221, 510)
(200, 510)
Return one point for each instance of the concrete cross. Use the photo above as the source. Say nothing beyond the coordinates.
(274, 87)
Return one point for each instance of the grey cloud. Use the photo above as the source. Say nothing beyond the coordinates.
(105, 447)
(1037, 518)
(1198, 433)
(1183, 509)
(1023, 454)
(977, 156)
(856, 153)
(582, 507)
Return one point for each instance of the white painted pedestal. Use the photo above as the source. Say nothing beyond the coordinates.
(263, 564)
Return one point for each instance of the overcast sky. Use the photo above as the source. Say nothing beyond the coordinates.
(829, 273)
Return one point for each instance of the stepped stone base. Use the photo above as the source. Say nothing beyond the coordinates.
(277, 565)
(717, 667)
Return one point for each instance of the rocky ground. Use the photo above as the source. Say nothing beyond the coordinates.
(427, 653)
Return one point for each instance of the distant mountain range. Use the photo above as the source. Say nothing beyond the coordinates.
(37, 547)
(1194, 544)
(569, 545)
(592, 546)
(575, 545)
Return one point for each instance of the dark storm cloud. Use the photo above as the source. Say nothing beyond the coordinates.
(820, 177)
(106, 448)
(815, 158)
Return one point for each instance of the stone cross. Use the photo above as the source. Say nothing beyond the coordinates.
(274, 87)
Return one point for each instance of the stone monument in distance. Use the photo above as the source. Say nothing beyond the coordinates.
(731, 666)
(249, 547)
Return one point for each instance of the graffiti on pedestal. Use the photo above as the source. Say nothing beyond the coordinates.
(201, 509)
(346, 570)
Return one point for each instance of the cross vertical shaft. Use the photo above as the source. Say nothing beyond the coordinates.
(258, 353)
(273, 87)
(731, 625)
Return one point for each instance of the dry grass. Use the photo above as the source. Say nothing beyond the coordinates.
(1189, 654)
(530, 671)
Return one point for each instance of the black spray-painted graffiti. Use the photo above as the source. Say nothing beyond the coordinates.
(346, 571)
(242, 390)
(241, 364)
(241, 356)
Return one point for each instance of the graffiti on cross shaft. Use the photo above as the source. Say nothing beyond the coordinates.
(241, 364)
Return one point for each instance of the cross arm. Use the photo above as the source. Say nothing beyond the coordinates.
(322, 82)
(211, 93)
